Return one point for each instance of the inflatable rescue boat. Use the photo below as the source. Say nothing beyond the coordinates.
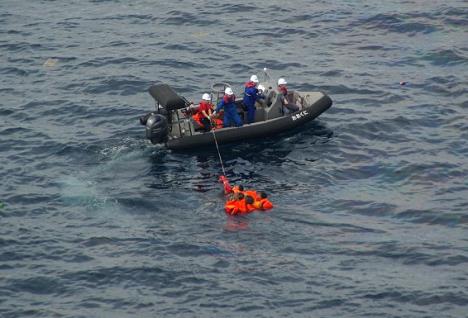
(171, 123)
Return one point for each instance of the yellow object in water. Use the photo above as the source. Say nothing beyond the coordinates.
(50, 62)
(200, 34)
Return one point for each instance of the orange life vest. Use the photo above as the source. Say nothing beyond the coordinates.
(236, 190)
(231, 207)
(198, 117)
(252, 193)
(244, 207)
(263, 204)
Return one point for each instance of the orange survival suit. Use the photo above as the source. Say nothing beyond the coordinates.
(243, 201)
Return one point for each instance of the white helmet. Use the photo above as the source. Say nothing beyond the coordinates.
(261, 88)
(206, 97)
(282, 81)
(228, 91)
(254, 78)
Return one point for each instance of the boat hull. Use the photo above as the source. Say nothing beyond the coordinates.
(256, 130)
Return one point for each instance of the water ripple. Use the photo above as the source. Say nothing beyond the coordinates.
(370, 199)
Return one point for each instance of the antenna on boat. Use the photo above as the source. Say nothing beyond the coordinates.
(267, 75)
(267, 78)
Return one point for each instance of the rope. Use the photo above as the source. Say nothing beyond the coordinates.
(219, 154)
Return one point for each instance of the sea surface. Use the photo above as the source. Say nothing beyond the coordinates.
(371, 198)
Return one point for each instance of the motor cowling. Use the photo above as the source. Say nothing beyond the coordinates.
(160, 110)
(144, 119)
(157, 128)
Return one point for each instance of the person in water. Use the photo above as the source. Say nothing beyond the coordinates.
(226, 186)
(241, 201)
(238, 189)
(232, 205)
(241, 204)
(231, 191)
(251, 95)
(288, 107)
(262, 202)
(230, 109)
(203, 114)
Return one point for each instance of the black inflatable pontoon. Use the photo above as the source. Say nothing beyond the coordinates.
(170, 123)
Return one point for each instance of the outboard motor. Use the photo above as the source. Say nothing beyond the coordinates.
(157, 128)
(158, 123)
(144, 119)
(161, 111)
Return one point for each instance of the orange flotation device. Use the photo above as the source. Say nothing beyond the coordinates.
(252, 193)
(244, 201)
(198, 117)
(246, 205)
(231, 207)
(237, 190)
(217, 123)
(235, 207)
(263, 204)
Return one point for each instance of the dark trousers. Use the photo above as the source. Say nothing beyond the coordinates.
(290, 108)
(206, 124)
(250, 113)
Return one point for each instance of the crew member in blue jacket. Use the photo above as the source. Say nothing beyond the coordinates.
(230, 109)
(251, 94)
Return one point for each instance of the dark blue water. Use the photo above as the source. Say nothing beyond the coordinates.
(371, 213)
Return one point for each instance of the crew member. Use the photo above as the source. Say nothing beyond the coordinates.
(230, 109)
(288, 107)
(262, 101)
(204, 112)
(251, 94)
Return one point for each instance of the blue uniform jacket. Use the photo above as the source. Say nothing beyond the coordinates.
(229, 106)
(250, 96)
